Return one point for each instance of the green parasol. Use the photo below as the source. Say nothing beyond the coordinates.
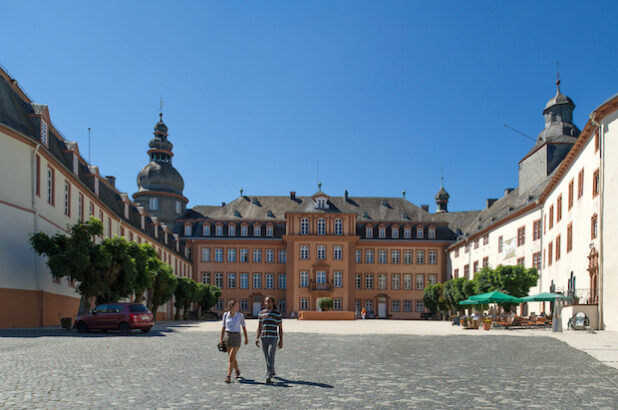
(494, 297)
(541, 297)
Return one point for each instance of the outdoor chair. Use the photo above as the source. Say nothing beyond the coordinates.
(579, 321)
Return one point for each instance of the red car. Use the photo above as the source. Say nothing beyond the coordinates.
(116, 316)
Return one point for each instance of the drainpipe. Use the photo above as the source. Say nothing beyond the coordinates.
(538, 203)
(37, 271)
(601, 207)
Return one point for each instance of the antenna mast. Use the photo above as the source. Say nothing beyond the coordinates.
(89, 146)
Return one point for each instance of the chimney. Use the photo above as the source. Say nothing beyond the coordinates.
(293, 195)
(345, 194)
(508, 191)
(425, 207)
(222, 204)
(111, 179)
(489, 202)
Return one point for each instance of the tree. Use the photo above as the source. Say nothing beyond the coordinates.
(456, 290)
(325, 303)
(77, 257)
(433, 298)
(209, 296)
(486, 280)
(120, 274)
(193, 297)
(513, 280)
(146, 265)
(163, 286)
(185, 293)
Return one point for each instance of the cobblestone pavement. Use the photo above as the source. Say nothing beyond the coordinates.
(172, 367)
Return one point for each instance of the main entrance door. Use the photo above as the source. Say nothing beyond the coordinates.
(257, 307)
(382, 309)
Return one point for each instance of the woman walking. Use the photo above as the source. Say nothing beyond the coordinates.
(233, 320)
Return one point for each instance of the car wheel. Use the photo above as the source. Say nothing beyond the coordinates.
(145, 329)
(82, 327)
(124, 328)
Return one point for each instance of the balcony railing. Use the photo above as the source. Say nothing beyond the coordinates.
(320, 286)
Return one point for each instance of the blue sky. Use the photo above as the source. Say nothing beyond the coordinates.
(382, 94)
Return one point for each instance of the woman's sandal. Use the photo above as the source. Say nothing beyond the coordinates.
(237, 374)
(227, 379)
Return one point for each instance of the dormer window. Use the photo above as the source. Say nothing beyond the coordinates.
(219, 230)
(187, 230)
(395, 232)
(206, 230)
(369, 232)
(257, 230)
(231, 230)
(432, 233)
(382, 232)
(44, 133)
(75, 164)
(269, 230)
(320, 202)
(244, 230)
(126, 210)
(96, 186)
(419, 232)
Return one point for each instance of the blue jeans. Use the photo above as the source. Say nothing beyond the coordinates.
(269, 346)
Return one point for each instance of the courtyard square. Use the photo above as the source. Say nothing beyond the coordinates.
(177, 365)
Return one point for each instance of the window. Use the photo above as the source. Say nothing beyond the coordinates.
(219, 280)
(219, 230)
(369, 256)
(395, 281)
(320, 277)
(569, 243)
(467, 248)
(369, 281)
(593, 227)
(338, 279)
(485, 239)
(432, 279)
(206, 230)
(456, 273)
(521, 261)
(395, 306)
(559, 208)
(420, 257)
(596, 142)
(270, 256)
(244, 230)
(231, 255)
(44, 133)
(457, 253)
(257, 280)
(550, 253)
(337, 304)
(244, 255)
(231, 280)
(178, 207)
(432, 257)
(358, 254)
(558, 248)
(536, 230)
(580, 184)
(476, 244)
(304, 279)
(244, 305)
(500, 244)
(394, 232)
(206, 278)
(407, 257)
(536, 260)
(282, 281)
(321, 252)
(395, 258)
(369, 305)
(570, 196)
(67, 199)
(51, 185)
(282, 256)
(407, 233)
(407, 281)
(521, 236)
(407, 306)
(369, 232)
(382, 232)
(419, 232)
(270, 281)
(420, 281)
(321, 226)
(257, 255)
(338, 252)
(80, 207)
(419, 306)
(338, 226)
(304, 304)
(304, 252)
(219, 305)
(257, 230)
(432, 233)
(153, 204)
(486, 261)
(321, 202)
(358, 282)
(466, 271)
(475, 267)
(358, 305)
(244, 281)
(304, 226)
(231, 230)
(382, 256)
(595, 183)
(382, 281)
(187, 230)
(219, 255)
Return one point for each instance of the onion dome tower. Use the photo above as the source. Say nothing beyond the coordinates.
(159, 184)
(553, 143)
(442, 200)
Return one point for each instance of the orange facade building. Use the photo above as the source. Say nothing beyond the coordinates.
(376, 253)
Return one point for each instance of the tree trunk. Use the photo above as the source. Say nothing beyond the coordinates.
(154, 312)
(138, 297)
(177, 315)
(84, 304)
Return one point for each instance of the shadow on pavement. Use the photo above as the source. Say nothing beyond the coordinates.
(159, 330)
(281, 382)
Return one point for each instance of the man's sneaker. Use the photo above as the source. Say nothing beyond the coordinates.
(269, 381)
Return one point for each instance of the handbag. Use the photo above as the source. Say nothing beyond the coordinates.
(222, 347)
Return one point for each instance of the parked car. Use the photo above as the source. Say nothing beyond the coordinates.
(116, 316)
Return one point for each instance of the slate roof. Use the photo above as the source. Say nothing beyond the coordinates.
(15, 114)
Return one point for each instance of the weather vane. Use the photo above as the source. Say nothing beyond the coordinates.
(558, 74)
(161, 107)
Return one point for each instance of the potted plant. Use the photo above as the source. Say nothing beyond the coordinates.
(325, 303)
(66, 322)
(486, 323)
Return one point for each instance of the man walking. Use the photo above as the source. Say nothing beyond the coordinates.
(270, 330)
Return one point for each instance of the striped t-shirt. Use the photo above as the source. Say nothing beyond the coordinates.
(270, 319)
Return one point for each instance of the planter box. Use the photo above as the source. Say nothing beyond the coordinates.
(330, 315)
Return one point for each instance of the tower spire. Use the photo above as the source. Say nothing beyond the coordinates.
(558, 75)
